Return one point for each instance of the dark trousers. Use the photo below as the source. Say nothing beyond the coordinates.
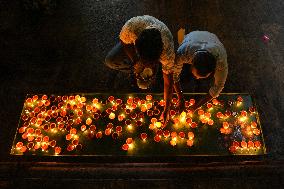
(117, 59)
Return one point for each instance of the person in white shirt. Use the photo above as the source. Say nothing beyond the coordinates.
(207, 56)
(145, 42)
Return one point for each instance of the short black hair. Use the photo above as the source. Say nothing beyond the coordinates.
(149, 44)
(204, 62)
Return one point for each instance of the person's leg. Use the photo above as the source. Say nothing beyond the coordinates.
(117, 59)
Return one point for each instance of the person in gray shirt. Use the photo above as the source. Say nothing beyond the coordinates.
(207, 56)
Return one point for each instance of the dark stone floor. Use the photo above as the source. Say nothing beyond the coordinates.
(64, 52)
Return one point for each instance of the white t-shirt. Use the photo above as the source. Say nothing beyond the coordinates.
(132, 29)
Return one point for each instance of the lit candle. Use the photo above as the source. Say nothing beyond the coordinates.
(190, 135)
(111, 115)
(143, 136)
(189, 143)
(89, 121)
(99, 135)
(118, 129)
(157, 138)
(57, 150)
(125, 147)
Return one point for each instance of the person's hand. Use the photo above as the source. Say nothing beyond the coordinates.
(165, 116)
(193, 108)
(181, 105)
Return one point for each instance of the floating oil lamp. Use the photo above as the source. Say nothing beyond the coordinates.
(172, 113)
(45, 139)
(200, 112)
(152, 126)
(108, 110)
(118, 101)
(174, 100)
(210, 122)
(225, 125)
(188, 120)
(127, 111)
(107, 131)
(96, 116)
(256, 131)
(191, 101)
(173, 134)
(257, 144)
(162, 103)
(118, 129)
(30, 145)
(120, 117)
(143, 136)
(130, 100)
(173, 142)
(190, 135)
(127, 122)
(149, 97)
(149, 106)
(70, 148)
(181, 135)
(193, 125)
(157, 138)
(110, 125)
(136, 100)
(129, 141)
(157, 112)
(93, 128)
(166, 133)
(99, 135)
(125, 147)
(133, 115)
(19, 145)
(79, 147)
(111, 115)
(143, 108)
(52, 143)
(233, 149)
(31, 138)
(89, 121)
(253, 125)
(25, 136)
(154, 120)
(244, 113)
(83, 128)
(209, 105)
(250, 144)
(158, 124)
(189, 143)
(138, 123)
(23, 149)
(244, 144)
(111, 98)
(215, 102)
(150, 113)
(73, 131)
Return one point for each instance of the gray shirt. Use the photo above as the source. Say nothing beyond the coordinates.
(198, 40)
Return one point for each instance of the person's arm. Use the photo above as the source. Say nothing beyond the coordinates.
(129, 49)
(168, 92)
(201, 102)
(179, 93)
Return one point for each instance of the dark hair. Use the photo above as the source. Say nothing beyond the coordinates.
(204, 62)
(149, 44)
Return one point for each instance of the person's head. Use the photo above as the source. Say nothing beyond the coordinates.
(149, 44)
(203, 64)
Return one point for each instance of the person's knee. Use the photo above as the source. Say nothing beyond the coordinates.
(109, 61)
